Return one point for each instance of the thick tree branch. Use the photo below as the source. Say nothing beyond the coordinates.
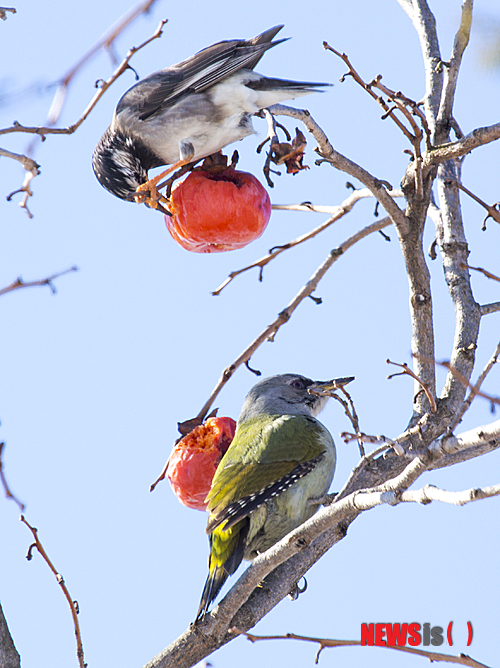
(452, 150)
(450, 235)
(9, 656)
(298, 551)
(425, 25)
(486, 309)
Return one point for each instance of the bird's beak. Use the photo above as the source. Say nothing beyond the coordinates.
(325, 388)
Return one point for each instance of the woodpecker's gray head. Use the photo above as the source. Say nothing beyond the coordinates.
(121, 163)
(283, 394)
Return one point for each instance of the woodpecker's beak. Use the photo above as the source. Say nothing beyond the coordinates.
(325, 388)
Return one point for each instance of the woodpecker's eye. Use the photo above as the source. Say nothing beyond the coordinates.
(298, 384)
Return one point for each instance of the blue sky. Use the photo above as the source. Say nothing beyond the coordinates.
(96, 377)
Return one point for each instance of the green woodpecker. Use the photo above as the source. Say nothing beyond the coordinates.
(272, 478)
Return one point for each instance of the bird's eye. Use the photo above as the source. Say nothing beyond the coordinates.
(298, 384)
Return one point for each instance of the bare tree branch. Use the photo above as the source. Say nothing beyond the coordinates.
(452, 150)
(5, 485)
(60, 580)
(378, 188)
(105, 42)
(246, 602)
(493, 211)
(124, 65)
(474, 391)
(9, 656)
(451, 70)
(339, 212)
(486, 309)
(462, 659)
(32, 170)
(4, 10)
(485, 272)
(409, 372)
(43, 131)
(19, 283)
(425, 25)
(285, 315)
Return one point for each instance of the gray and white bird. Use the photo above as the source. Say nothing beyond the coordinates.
(186, 112)
(272, 478)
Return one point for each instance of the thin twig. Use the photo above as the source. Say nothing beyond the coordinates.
(285, 315)
(462, 659)
(70, 129)
(32, 169)
(45, 130)
(72, 604)
(400, 101)
(340, 211)
(19, 283)
(272, 137)
(354, 74)
(461, 378)
(384, 443)
(307, 206)
(351, 414)
(475, 388)
(466, 383)
(4, 10)
(485, 272)
(105, 42)
(6, 487)
(407, 371)
(493, 211)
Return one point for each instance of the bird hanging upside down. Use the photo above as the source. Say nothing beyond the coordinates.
(186, 112)
(272, 478)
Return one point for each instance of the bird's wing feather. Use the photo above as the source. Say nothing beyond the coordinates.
(238, 510)
(287, 447)
(206, 68)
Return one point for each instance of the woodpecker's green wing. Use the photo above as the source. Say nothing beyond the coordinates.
(267, 455)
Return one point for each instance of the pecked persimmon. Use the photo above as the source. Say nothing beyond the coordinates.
(194, 460)
(218, 210)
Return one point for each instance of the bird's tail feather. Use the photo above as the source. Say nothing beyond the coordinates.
(226, 553)
(266, 83)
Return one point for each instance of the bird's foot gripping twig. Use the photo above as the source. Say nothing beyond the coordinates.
(148, 192)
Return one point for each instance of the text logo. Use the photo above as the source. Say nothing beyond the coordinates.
(413, 634)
